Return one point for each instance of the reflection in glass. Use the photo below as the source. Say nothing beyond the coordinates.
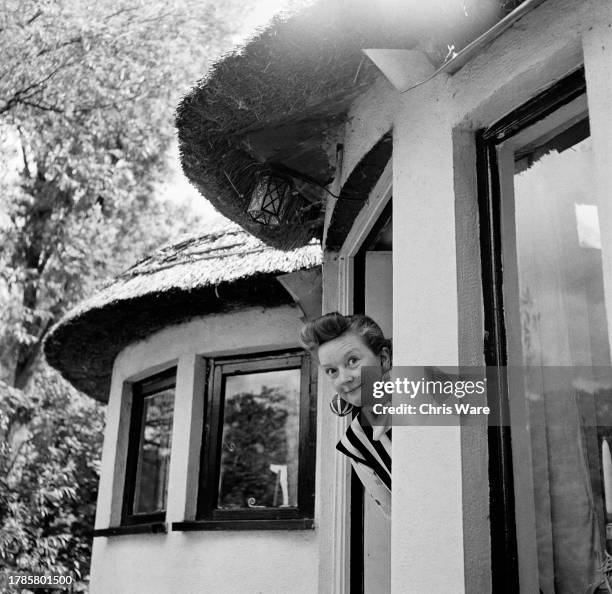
(563, 322)
(260, 439)
(154, 453)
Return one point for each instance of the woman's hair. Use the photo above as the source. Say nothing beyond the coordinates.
(332, 325)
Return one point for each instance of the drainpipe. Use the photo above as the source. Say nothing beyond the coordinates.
(405, 68)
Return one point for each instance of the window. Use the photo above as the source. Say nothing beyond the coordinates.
(148, 458)
(545, 312)
(258, 446)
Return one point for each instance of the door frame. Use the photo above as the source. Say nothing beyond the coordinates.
(348, 568)
(507, 574)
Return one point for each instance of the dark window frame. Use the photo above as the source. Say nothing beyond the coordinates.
(299, 517)
(141, 389)
(504, 552)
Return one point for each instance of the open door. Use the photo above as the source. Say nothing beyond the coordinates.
(373, 295)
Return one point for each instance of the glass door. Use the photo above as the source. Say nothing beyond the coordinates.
(551, 317)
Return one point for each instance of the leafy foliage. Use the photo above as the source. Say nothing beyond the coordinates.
(50, 444)
(88, 90)
(87, 95)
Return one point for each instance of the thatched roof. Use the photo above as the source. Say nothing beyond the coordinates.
(217, 271)
(285, 97)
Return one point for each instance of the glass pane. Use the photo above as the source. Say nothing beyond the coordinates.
(563, 323)
(154, 453)
(260, 440)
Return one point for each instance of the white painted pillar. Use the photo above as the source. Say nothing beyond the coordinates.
(332, 497)
(427, 553)
(186, 438)
(114, 454)
(597, 48)
(112, 473)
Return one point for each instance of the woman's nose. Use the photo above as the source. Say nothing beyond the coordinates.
(345, 376)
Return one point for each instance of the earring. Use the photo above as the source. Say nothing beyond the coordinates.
(339, 406)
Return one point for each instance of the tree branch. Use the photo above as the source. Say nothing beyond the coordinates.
(33, 88)
(14, 458)
(26, 165)
(40, 106)
(46, 50)
(33, 18)
(120, 11)
(24, 368)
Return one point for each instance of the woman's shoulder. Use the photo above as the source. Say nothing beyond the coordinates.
(375, 431)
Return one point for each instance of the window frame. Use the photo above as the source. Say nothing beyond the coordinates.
(140, 390)
(207, 514)
(504, 549)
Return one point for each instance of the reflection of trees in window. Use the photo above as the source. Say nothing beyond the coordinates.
(258, 445)
(259, 459)
(154, 454)
(148, 458)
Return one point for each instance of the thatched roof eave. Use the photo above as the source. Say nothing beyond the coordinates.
(201, 275)
(285, 97)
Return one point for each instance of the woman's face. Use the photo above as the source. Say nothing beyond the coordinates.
(341, 360)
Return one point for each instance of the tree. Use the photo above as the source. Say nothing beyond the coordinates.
(87, 96)
(90, 88)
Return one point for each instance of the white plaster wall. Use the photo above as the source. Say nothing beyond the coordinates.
(597, 43)
(427, 471)
(540, 49)
(332, 496)
(265, 562)
(440, 495)
(370, 117)
(232, 562)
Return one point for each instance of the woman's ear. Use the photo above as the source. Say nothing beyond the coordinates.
(385, 359)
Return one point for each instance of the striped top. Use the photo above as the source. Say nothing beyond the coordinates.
(370, 455)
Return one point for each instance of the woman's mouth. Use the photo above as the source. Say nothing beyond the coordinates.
(353, 396)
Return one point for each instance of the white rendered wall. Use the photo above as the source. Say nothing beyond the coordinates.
(597, 45)
(333, 470)
(440, 540)
(427, 472)
(218, 562)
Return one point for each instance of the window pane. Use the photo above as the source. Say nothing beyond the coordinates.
(562, 323)
(260, 440)
(154, 453)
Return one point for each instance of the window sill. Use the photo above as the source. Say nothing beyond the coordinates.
(271, 524)
(152, 528)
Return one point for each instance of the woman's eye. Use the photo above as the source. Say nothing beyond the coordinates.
(352, 361)
(330, 372)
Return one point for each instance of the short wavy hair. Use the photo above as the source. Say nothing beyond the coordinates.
(332, 325)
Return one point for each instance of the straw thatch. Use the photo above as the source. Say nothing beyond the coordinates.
(285, 98)
(218, 271)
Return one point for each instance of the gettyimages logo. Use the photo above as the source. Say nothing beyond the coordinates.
(468, 395)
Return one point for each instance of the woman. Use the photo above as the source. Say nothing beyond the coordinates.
(344, 345)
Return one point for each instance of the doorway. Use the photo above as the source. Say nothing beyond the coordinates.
(372, 296)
